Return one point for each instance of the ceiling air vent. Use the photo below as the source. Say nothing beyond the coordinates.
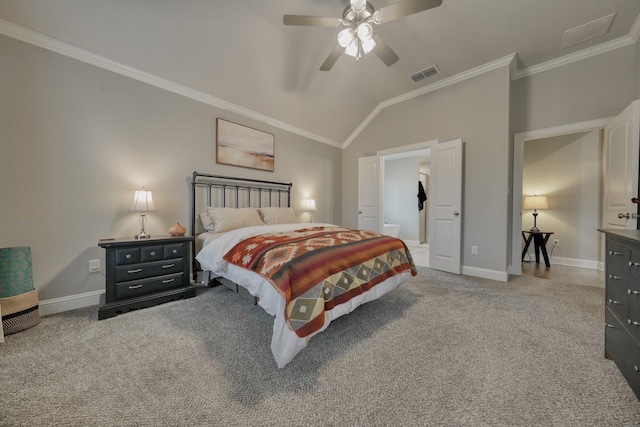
(587, 31)
(427, 72)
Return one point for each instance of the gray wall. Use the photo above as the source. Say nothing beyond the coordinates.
(400, 195)
(476, 110)
(567, 170)
(596, 87)
(76, 141)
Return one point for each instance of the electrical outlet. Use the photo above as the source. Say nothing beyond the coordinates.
(94, 266)
(556, 243)
(474, 250)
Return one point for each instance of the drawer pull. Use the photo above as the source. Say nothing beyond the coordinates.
(630, 292)
(633, 264)
(168, 280)
(606, 325)
(629, 322)
(168, 266)
(135, 286)
(612, 277)
(152, 253)
(175, 251)
(128, 256)
(635, 368)
(614, 302)
(137, 270)
(614, 253)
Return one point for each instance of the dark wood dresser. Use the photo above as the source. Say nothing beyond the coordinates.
(622, 313)
(142, 273)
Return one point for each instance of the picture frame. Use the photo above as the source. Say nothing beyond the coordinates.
(244, 146)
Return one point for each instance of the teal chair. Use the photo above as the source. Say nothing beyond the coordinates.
(18, 297)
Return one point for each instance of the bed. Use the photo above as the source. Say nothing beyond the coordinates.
(247, 237)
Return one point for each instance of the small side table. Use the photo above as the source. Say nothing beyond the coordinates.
(540, 239)
(143, 273)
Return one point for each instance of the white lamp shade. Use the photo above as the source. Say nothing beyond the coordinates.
(535, 202)
(365, 31)
(368, 45)
(142, 201)
(345, 37)
(311, 205)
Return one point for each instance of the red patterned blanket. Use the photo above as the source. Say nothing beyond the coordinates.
(316, 269)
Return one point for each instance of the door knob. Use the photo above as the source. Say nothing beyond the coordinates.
(456, 213)
(359, 212)
(621, 215)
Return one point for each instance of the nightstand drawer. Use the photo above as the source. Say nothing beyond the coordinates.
(149, 269)
(151, 253)
(173, 251)
(146, 286)
(127, 256)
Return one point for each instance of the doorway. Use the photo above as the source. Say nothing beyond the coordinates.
(566, 170)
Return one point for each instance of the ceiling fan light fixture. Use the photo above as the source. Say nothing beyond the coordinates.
(358, 5)
(346, 37)
(352, 49)
(365, 31)
(368, 45)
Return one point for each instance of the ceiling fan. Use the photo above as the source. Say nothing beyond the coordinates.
(358, 38)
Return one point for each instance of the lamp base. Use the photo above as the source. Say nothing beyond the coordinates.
(534, 230)
(142, 236)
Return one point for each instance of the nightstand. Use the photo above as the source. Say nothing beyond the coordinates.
(143, 273)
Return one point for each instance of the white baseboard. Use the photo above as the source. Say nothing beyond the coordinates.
(58, 305)
(571, 262)
(484, 273)
(411, 242)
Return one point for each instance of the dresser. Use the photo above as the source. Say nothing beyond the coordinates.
(142, 273)
(622, 312)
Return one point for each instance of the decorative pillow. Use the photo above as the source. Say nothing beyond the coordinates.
(227, 219)
(207, 222)
(272, 216)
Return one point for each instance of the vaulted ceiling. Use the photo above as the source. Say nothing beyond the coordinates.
(240, 52)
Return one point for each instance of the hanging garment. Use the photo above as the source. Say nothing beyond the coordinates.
(422, 196)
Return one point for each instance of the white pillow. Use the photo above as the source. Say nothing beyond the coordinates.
(272, 216)
(207, 222)
(227, 219)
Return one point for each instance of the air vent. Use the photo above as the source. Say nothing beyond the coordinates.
(587, 31)
(427, 72)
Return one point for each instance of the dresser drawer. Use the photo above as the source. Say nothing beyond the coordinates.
(146, 286)
(624, 350)
(173, 251)
(634, 264)
(151, 253)
(127, 256)
(633, 312)
(149, 269)
(617, 298)
(618, 257)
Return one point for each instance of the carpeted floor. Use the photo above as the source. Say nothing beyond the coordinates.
(443, 350)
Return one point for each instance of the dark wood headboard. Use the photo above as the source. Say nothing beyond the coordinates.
(232, 192)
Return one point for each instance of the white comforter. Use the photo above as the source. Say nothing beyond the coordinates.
(285, 344)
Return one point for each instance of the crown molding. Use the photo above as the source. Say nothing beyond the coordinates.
(35, 38)
(457, 78)
(576, 56)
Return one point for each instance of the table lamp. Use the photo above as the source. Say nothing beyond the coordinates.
(311, 207)
(143, 203)
(535, 203)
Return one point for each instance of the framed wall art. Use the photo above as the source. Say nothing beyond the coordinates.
(239, 145)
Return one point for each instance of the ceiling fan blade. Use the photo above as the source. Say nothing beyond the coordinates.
(332, 58)
(383, 50)
(319, 21)
(403, 8)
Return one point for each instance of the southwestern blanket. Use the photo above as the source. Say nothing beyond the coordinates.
(318, 268)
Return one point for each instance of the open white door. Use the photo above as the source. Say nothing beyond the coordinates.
(621, 139)
(445, 196)
(369, 184)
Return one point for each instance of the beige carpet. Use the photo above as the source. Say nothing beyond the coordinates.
(443, 350)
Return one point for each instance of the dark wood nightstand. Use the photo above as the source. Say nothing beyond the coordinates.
(143, 273)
